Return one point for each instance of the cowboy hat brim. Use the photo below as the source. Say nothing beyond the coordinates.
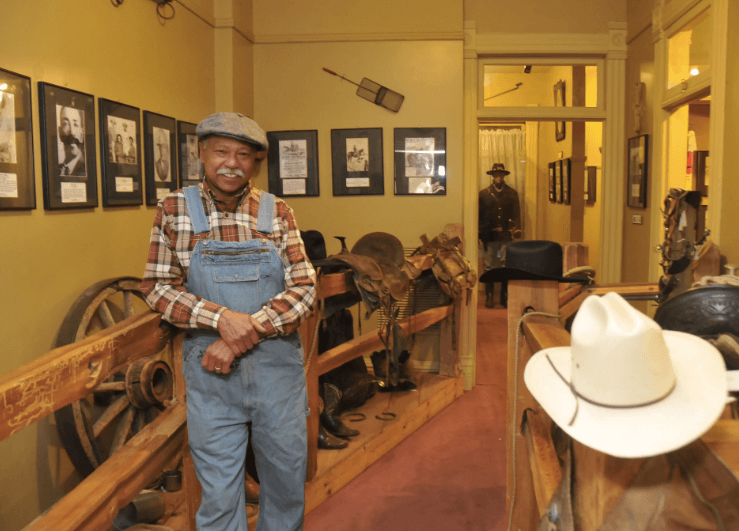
(693, 406)
(493, 172)
(504, 274)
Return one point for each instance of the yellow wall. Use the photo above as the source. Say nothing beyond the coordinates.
(639, 68)
(293, 92)
(552, 16)
(729, 234)
(49, 258)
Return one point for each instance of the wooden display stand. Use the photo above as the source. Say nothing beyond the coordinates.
(599, 479)
(67, 374)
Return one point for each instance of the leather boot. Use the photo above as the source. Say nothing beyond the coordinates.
(326, 441)
(329, 416)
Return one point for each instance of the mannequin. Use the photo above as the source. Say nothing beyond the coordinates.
(499, 223)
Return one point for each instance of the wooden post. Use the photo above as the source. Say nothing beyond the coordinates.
(449, 342)
(541, 296)
(307, 336)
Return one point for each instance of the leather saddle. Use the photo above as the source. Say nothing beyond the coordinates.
(451, 268)
(378, 267)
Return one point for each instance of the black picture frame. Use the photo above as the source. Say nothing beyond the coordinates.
(120, 154)
(566, 181)
(420, 161)
(292, 163)
(69, 168)
(188, 155)
(637, 165)
(592, 180)
(17, 177)
(357, 161)
(560, 131)
(552, 193)
(558, 181)
(701, 169)
(161, 163)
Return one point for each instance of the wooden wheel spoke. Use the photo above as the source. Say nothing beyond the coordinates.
(107, 387)
(128, 298)
(106, 317)
(140, 421)
(123, 430)
(111, 412)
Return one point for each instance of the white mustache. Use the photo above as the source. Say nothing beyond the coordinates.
(227, 171)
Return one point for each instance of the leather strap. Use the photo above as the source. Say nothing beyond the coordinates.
(266, 212)
(195, 209)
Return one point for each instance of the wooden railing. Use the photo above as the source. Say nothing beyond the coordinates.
(69, 373)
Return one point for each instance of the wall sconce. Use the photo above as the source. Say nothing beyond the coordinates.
(527, 69)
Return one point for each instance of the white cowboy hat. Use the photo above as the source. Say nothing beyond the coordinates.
(626, 387)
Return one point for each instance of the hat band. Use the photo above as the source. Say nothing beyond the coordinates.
(577, 396)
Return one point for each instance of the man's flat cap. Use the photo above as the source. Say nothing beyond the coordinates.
(233, 125)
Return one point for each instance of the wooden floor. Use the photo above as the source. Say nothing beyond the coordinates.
(412, 409)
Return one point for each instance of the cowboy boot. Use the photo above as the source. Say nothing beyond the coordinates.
(489, 291)
(326, 441)
(404, 375)
(329, 416)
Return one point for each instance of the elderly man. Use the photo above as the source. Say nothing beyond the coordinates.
(227, 263)
(72, 138)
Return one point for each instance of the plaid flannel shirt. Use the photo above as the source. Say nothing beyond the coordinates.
(173, 240)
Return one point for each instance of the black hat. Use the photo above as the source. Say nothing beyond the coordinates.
(498, 168)
(531, 260)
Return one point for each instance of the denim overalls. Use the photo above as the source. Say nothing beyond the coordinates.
(266, 386)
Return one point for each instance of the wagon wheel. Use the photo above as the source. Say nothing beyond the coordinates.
(95, 427)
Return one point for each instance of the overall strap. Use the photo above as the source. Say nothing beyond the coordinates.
(195, 208)
(266, 212)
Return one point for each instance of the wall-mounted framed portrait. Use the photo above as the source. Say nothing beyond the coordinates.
(120, 154)
(420, 161)
(566, 181)
(189, 154)
(357, 161)
(293, 163)
(161, 162)
(591, 183)
(68, 156)
(17, 178)
(636, 194)
(558, 181)
(552, 192)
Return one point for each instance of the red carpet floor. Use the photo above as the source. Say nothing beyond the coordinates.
(450, 474)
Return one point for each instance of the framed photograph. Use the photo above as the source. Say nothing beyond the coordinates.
(293, 163)
(189, 154)
(420, 161)
(566, 181)
(356, 161)
(120, 154)
(161, 164)
(552, 193)
(558, 181)
(636, 194)
(68, 156)
(559, 101)
(17, 178)
(591, 181)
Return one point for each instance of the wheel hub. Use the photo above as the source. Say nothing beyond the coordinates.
(149, 383)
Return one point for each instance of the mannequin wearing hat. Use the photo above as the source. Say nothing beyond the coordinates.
(499, 222)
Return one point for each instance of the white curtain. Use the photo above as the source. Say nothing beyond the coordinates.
(499, 146)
